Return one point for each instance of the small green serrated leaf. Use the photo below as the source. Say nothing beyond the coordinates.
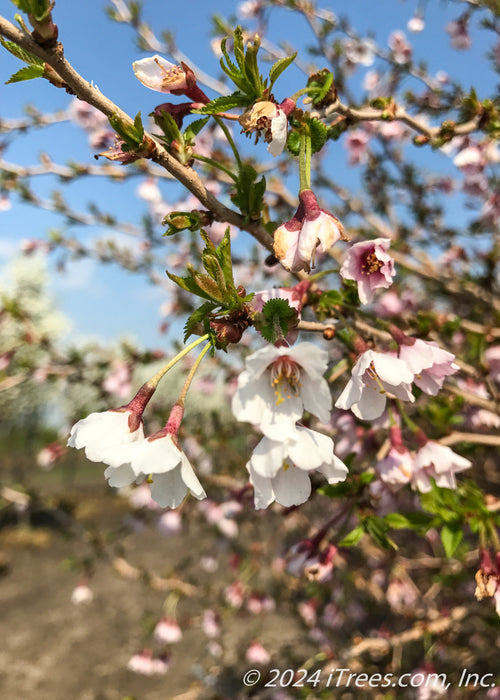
(451, 538)
(224, 103)
(293, 143)
(199, 318)
(26, 73)
(352, 537)
(194, 128)
(278, 68)
(319, 135)
(20, 53)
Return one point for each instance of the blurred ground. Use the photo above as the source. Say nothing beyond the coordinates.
(52, 649)
(55, 650)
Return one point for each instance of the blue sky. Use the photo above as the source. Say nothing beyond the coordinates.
(104, 301)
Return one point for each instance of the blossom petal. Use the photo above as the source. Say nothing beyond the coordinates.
(191, 480)
(168, 489)
(120, 476)
(263, 489)
(291, 487)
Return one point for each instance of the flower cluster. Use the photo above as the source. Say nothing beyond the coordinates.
(278, 384)
(116, 437)
(377, 376)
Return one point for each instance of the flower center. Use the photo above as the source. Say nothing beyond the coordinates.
(372, 374)
(170, 76)
(285, 378)
(370, 264)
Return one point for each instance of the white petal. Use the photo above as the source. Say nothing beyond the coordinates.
(267, 457)
(151, 72)
(120, 476)
(191, 480)
(371, 405)
(279, 126)
(291, 487)
(263, 489)
(168, 489)
(391, 370)
(98, 431)
(156, 456)
(310, 450)
(334, 471)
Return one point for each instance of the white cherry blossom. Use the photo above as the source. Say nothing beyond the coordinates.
(374, 376)
(158, 459)
(278, 384)
(99, 431)
(279, 470)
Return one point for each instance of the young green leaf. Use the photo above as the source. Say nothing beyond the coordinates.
(22, 54)
(278, 68)
(26, 73)
(451, 538)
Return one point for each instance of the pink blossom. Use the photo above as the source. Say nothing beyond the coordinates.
(5, 360)
(416, 24)
(210, 623)
(149, 191)
(307, 610)
(492, 359)
(258, 604)
(234, 594)
(369, 264)
(402, 594)
(429, 363)
(49, 455)
(374, 376)
(167, 631)
(356, 143)
(250, 8)
(359, 52)
(169, 523)
(82, 594)
(256, 654)
(5, 203)
(490, 211)
(459, 33)
(394, 304)
(400, 47)
(372, 81)
(86, 116)
(145, 664)
(118, 382)
(438, 462)
(397, 467)
(311, 231)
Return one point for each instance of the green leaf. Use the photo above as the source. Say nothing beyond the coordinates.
(20, 53)
(377, 528)
(26, 73)
(194, 128)
(319, 134)
(278, 68)
(352, 537)
(451, 538)
(249, 192)
(276, 320)
(132, 134)
(293, 143)
(189, 285)
(223, 253)
(224, 103)
(198, 318)
(409, 520)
